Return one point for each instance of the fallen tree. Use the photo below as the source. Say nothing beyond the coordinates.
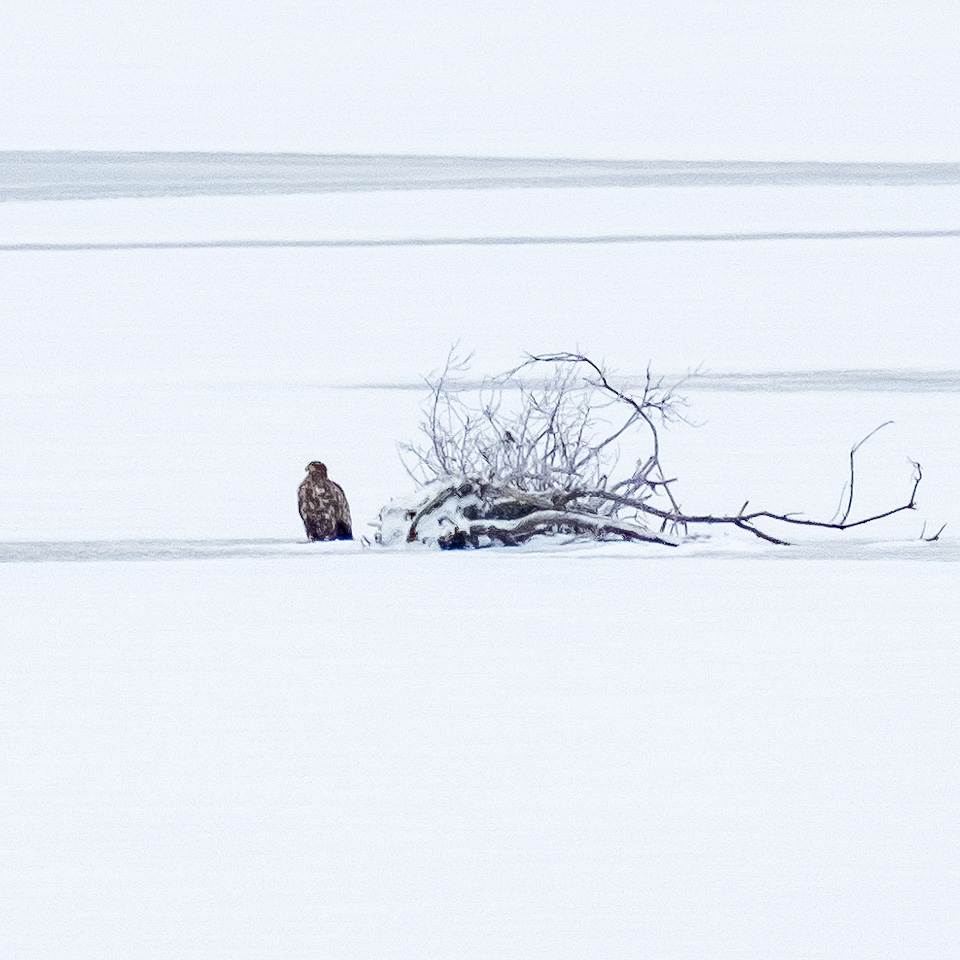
(518, 456)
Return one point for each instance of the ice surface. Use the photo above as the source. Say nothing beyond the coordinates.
(221, 741)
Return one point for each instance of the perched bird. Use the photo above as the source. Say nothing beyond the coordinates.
(323, 506)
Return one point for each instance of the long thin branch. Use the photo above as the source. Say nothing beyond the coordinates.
(853, 454)
(745, 521)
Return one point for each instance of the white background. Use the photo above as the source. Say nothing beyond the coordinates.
(735, 80)
(299, 751)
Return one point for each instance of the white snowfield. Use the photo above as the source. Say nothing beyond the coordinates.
(220, 741)
(494, 754)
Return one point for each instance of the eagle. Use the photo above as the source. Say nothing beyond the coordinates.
(323, 506)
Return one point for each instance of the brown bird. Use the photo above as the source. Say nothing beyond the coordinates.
(323, 506)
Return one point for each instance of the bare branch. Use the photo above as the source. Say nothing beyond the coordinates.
(935, 537)
(853, 453)
(536, 457)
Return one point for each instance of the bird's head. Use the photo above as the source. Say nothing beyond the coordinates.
(317, 469)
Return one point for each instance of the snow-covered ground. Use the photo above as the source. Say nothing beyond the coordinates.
(221, 462)
(742, 80)
(220, 741)
(496, 754)
(346, 315)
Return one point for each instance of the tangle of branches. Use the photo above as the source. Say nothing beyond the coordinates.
(555, 447)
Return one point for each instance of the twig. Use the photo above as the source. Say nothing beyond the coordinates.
(853, 453)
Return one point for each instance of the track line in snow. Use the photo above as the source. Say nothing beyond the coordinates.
(86, 551)
(39, 551)
(495, 241)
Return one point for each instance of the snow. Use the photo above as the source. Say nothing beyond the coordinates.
(746, 79)
(294, 315)
(222, 741)
(494, 754)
